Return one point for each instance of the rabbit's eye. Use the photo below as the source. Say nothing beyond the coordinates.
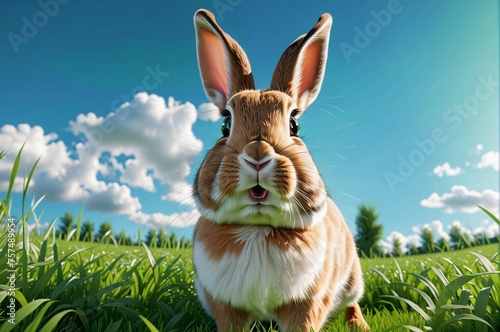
(226, 126)
(294, 126)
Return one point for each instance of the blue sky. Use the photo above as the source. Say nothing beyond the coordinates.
(407, 119)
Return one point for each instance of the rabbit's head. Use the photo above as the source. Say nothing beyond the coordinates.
(260, 171)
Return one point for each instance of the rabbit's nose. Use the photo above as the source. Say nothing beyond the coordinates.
(257, 166)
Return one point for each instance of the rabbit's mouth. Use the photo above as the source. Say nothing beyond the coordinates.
(258, 194)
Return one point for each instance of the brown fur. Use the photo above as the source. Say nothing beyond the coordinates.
(206, 176)
(218, 239)
(227, 317)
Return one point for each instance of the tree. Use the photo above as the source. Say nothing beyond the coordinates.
(414, 249)
(369, 232)
(66, 225)
(397, 251)
(139, 236)
(457, 237)
(184, 243)
(443, 244)
(173, 241)
(104, 228)
(87, 234)
(124, 239)
(480, 240)
(151, 238)
(428, 240)
(163, 238)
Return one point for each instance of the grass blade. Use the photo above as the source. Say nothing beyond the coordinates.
(461, 317)
(79, 225)
(480, 308)
(412, 304)
(449, 291)
(115, 327)
(491, 215)
(13, 174)
(34, 325)
(151, 259)
(150, 326)
(400, 326)
(49, 229)
(484, 262)
(426, 282)
(52, 323)
(430, 304)
(26, 185)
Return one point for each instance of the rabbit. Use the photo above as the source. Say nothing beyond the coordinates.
(269, 242)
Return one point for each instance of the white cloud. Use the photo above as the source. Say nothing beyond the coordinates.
(477, 150)
(114, 199)
(66, 189)
(438, 228)
(54, 155)
(159, 136)
(180, 192)
(435, 226)
(405, 241)
(461, 199)
(136, 175)
(144, 142)
(446, 169)
(402, 240)
(413, 239)
(34, 226)
(89, 120)
(208, 112)
(155, 220)
(488, 228)
(51, 174)
(489, 159)
(387, 247)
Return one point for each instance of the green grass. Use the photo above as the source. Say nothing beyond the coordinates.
(454, 291)
(96, 286)
(102, 287)
(79, 286)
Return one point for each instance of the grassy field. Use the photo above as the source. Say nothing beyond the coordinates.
(79, 286)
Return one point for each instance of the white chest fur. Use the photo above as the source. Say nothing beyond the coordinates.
(262, 276)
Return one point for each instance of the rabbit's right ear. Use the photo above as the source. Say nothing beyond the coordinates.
(301, 68)
(224, 66)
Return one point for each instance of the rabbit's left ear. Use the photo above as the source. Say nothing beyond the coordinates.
(301, 68)
(224, 66)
